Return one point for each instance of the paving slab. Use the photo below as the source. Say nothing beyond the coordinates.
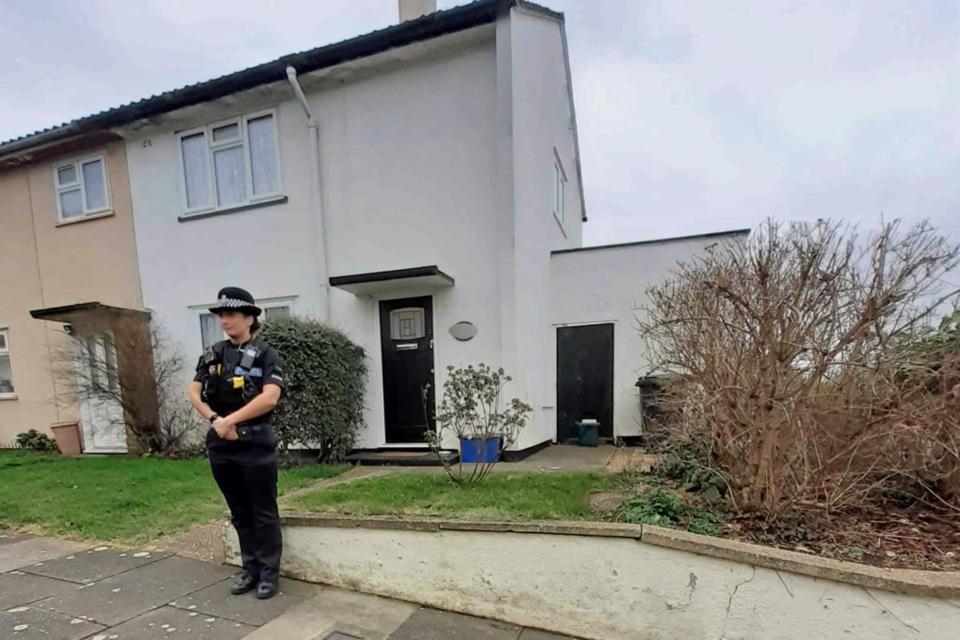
(430, 624)
(125, 596)
(29, 623)
(336, 610)
(6, 537)
(170, 623)
(216, 600)
(32, 550)
(94, 564)
(537, 634)
(19, 588)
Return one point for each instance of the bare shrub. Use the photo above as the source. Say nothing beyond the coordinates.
(134, 366)
(794, 357)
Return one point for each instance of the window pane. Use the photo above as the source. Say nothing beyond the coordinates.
(276, 312)
(196, 173)
(94, 186)
(210, 331)
(6, 375)
(93, 363)
(3, 342)
(110, 364)
(71, 205)
(263, 155)
(231, 182)
(226, 132)
(66, 175)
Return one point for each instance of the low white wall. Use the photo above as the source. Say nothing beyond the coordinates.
(603, 582)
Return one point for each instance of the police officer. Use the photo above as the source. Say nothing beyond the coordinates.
(237, 385)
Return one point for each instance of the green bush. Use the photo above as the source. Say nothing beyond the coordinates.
(324, 380)
(35, 441)
(662, 507)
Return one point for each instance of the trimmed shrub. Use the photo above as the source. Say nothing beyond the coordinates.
(35, 441)
(324, 379)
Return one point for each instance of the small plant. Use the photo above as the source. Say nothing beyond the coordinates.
(686, 464)
(470, 410)
(35, 441)
(662, 507)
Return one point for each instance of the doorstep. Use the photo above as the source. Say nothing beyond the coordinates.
(420, 458)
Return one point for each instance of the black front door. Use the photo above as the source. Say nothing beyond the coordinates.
(406, 338)
(584, 378)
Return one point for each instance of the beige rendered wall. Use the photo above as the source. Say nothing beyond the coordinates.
(48, 265)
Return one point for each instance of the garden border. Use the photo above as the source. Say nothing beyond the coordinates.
(940, 584)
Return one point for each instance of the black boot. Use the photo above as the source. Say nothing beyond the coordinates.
(266, 589)
(246, 582)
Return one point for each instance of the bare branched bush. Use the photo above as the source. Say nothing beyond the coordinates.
(135, 368)
(794, 357)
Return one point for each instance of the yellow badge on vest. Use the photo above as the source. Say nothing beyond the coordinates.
(238, 382)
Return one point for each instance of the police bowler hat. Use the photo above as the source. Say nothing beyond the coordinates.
(235, 299)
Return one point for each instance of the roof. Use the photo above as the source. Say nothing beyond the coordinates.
(426, 27)
(699, 236)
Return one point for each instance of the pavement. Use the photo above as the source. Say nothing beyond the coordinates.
(55, 589)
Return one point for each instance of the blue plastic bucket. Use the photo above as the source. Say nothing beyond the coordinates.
(480, 450)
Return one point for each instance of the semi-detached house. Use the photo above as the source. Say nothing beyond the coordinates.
(418, 187)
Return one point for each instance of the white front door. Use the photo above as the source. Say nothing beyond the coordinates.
(101, 416)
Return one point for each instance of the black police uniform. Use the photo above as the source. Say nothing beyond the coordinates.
(246, 469)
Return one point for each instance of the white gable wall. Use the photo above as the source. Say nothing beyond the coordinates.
(542, 130)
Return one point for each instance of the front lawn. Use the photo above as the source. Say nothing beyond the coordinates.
(130, 500)
(502, 496)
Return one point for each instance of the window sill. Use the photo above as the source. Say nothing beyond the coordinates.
(92, 216)
(560, 224)
(187, 217)
(8, 396)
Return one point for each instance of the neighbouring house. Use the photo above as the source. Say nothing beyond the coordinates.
(419, 188)
(70, 265)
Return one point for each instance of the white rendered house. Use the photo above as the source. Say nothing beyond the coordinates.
(412, 187)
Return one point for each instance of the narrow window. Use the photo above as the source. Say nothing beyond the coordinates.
(6, 371)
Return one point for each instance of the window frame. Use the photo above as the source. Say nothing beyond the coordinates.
(559, 191)
(5, 351)
(211, 147)
(77, 164)
(264, 304)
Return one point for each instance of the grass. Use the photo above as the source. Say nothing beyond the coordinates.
(507, 496)
(130, 500)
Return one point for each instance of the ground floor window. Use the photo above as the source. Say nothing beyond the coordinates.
(6, 370)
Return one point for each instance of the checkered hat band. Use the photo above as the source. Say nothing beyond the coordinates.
(233, 303)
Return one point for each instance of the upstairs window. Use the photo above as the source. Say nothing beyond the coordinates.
(230, 163)
(81, 187)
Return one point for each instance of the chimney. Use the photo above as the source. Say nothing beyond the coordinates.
(413, 9)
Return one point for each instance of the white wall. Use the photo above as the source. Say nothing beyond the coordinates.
(606, 285)
(607, 588)
(542, 129)
(407, 162)
(408, 167)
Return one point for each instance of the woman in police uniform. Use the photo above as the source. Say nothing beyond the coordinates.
(237, 385)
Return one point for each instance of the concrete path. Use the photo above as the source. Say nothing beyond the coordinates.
(59, 590)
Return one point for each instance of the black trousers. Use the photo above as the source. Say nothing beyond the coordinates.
(247, 477)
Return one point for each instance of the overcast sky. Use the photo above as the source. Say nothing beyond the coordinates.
(694, 115)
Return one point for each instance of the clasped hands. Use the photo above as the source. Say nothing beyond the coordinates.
(226, 428)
